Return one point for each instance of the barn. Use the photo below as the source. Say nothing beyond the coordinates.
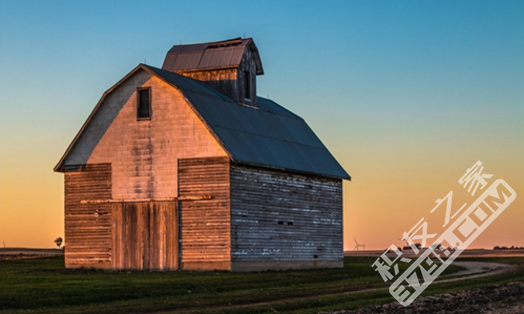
(184, 167)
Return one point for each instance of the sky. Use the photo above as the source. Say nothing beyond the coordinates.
(407, 95)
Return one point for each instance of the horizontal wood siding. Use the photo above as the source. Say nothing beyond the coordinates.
(145, 235)
(88, 226)
(224, 81)
(279, 216)
(231, 82)
(205, 224)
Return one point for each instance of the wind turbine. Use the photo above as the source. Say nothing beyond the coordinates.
(363, 246)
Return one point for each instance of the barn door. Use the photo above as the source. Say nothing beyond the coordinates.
(145, 235)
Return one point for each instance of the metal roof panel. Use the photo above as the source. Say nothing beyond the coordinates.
(270, 136)
(210, 58)
(187, 61)
(225, 58)
(236, 56)
(211, 55)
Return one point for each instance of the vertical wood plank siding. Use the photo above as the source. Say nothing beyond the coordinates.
(145, 236)
(205, 232)
(88, 226)
(278, 218)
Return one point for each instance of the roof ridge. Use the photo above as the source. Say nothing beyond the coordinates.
(228, 42)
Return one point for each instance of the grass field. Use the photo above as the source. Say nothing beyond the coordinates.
(44, 286)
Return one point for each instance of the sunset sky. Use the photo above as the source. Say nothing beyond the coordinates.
(407, 95)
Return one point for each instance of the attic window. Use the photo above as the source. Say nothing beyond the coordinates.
(247, 85)
(144, 103)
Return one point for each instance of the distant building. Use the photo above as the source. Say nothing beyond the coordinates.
(186, 168)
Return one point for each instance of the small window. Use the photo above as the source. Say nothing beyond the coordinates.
(144, 103)
(247, 83)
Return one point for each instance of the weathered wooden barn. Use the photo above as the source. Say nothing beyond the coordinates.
(184, 167)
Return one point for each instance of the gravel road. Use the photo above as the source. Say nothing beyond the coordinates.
(500, 299)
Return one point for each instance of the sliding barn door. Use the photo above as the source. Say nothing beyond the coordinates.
(145, 236)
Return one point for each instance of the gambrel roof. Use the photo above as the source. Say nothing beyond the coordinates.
(213, 55)
(267, 136)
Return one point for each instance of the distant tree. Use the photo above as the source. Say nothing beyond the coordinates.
(58, 242)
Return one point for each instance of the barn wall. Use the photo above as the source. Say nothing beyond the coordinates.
(283, 221)
(143, 153)
(88, 225)
(205, 224)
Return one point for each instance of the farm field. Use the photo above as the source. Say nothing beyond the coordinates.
(44, 286)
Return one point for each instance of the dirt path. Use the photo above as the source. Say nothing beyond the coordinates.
(476, 270)
(473, 270)
(498, 299)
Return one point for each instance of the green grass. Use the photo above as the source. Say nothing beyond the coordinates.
(44, 285)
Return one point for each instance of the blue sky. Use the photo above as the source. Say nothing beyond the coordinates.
(396, 90)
